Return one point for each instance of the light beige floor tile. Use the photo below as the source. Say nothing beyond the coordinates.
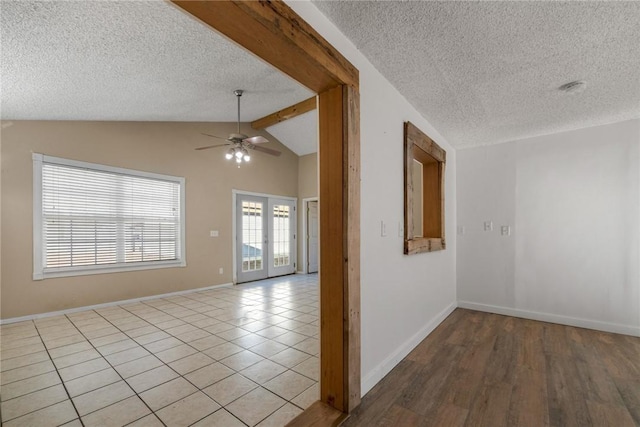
(152, 378)
(223, 350)
(188, 410)
(53, 415)
(281, 417)
(208, 375)
(92, 382)
(163, 344)
(290, 357)
(152, 337)
(290, 338)
(102, 397)
(263, 371)
(23, 405)
(76, 358)
(249, 340)
(126, 355)
(310, 346)
(26, 372)
(168, 393)
(219, 328)
(149, 421)
(309, 368)
(230, 388)
(175, 353)
(62, 341)
(104, 332)
(108, 339)
(145, 330)
(233, 334)
(19, 362)
(268, 348)
(29, 385)
(181, 329)
(138, 366)
(220, 418)
(74, 423)
(118, 414)
(193, 335)
(191, 363)
(8, 343)
(255, 406)
(70, 349)
(272, 332)
(21, 351)
(115, 347)
(206, 322)
(82, 369)
(242, 360)
(289, 384)
(170, 324)
(207, 342)
(307, 397)
(308, 330)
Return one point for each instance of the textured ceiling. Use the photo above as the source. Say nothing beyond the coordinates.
(301, 133)
(129, 60)
(488, 72)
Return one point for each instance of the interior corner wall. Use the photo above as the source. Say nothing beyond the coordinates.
(572, 202)
(403, 297)
(160, 147)
(307, 188)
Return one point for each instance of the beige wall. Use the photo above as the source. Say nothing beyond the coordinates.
(307, 187)
(166, 148)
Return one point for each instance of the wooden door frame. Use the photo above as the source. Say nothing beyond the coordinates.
(283, 39)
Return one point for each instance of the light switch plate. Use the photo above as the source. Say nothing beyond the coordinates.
(488, 225)
(213, 233)
(505, 230)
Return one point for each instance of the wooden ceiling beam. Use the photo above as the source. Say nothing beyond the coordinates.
(269, 28)
(285, 114)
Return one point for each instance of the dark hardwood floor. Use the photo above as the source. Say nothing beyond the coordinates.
(480, 369)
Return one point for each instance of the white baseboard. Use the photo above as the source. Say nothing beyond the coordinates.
(380, 371)
(553, 318)
(107, 304)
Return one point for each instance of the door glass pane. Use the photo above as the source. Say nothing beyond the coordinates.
(252, 235)
(281, 235)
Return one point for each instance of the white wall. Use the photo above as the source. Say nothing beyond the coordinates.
(403, 297)
(572, 200)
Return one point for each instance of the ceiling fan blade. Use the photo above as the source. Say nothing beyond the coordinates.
(264, 150)
(212, 146)
(213, 136)
(255, 140)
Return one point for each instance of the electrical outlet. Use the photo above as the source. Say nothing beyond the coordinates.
(400, 229)
(461, 230)
(505, 230)
(213, 233)
(383, 229)
(221, 270)
(488, 226)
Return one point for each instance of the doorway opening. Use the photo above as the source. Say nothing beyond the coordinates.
(265, 243)
(311, 235)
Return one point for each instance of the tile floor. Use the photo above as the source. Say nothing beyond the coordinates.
(237, 356)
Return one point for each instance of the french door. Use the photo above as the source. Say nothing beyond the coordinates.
(265, 237)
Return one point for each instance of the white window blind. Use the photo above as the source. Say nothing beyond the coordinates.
(91, 217)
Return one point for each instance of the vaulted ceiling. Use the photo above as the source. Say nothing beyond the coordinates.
(480, 72)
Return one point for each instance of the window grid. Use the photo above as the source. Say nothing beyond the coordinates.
(281, 235)
(252, 232)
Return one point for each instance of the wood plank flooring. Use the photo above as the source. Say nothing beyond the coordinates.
(481, 369)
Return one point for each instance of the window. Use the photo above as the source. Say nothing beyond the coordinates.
(90, 219)
(424, 163)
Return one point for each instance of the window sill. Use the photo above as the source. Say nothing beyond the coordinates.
(106, 270)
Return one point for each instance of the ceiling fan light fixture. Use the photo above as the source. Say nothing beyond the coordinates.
(229, 154)
(247, 157)
(238, 154)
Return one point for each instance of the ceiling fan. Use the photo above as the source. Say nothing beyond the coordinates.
(240, 143)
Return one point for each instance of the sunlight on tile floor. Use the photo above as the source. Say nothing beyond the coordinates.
(236, 356)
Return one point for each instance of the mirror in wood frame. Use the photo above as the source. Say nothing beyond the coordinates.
(424, 163)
